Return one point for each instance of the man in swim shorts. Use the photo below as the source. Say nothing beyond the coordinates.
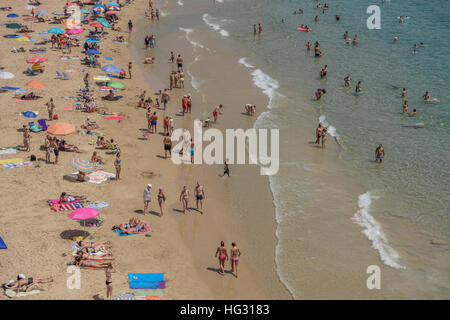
(200, 195)
(180, 62)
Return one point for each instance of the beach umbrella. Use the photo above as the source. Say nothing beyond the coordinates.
(61, 129)
(29, 114)
(14, 25)
(36, 59)
(23, 39)
(113, 8)
(83, 214)
(99, 6)
(35, 85)
(123, 296)
(116, 85)
(70, 234)
(93, 41)
(74, 31)
(109, 13)
(9, 88)
(41, 13)
(84, 10)
(112, 68)
(6, 75)
(103, 22)
(93, 51)
(96, 25)
(12, 15)
(113, 4)
(56, 31)
(82, 165)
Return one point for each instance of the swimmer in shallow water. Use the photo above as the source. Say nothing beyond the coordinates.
(427, 98)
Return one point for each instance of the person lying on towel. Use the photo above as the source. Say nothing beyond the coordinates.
(30, 96)
(91, 247)
(64, 198)
(134, 226)
(25, 284)
(77, 261)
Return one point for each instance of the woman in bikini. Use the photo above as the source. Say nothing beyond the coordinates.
(222, 252)
(91, 263)
(89, 247)
(95, 159)
(109, 287)
(117, 165)
(161, 199)
(235, 253)
(184, 197)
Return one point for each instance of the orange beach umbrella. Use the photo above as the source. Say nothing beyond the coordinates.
(61, 129)
(35, 84)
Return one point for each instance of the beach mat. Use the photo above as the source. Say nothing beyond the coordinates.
(98, 206)
(148, 293)
(120, 234)
(13, 160)
(2, 244)
(13, 294)
(147, 285)
(146, 277)
(8, 151)
(17, 165)
(56, 206)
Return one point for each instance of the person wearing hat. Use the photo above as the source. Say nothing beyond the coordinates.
(147, 197)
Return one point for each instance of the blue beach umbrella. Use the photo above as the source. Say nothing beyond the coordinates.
(9, 88)
(103, 22)
(12, 15)
(113, 4)
(112, 68)
(29, 114)
(56, 31)
(93, 51)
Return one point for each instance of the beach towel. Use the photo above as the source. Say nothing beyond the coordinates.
(17, 165)
(2, 244)
(75, 70)
(113, 118)
(55, 205)
(13, 294)
(98, 206)
(8, 151)
(42, 124)
(149, 298)
(148, 292)
(148, 277)
(120, 234)
(100, 176)
(34, 127)
(13, 160)
(147, 285)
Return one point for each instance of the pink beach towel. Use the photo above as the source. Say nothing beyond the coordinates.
(114, 118)
(55, 205)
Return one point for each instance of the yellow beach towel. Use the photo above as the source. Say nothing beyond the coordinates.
(14, 160)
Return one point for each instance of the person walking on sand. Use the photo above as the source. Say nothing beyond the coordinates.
(55, 146)
(161, 199)
(130, 26)
(379, 153)
(130, 66)
(223, 254)
(235, 253)
(217, 111)
(26, 138)
(50, 108)
(109, 287)
(147, 197)
(200, 195)
(117, 165)
(167, 141)
(184, 197)
(189, 103)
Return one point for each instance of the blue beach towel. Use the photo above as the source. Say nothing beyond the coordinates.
(120, 234)
(147, 284)
(145, 277)
(2, 244)
(98, 206)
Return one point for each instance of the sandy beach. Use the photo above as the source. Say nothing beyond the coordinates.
(181, 246)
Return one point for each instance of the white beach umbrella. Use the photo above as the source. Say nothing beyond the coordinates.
(6, 75)
(29, 7)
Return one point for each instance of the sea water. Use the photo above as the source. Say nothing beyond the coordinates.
(403, 207)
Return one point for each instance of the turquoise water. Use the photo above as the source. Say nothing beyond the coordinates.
(405, 202)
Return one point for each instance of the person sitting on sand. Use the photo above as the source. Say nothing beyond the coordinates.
(31, 95)
(96, 159)
(81, 176)
(149, 60)
(64, 146)
(110, 95)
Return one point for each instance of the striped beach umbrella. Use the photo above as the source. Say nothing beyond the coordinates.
(123, 296)
(82, 165)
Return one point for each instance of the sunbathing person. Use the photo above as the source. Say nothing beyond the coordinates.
(64, 197)
(129, 229)
(91, 263)
(30, 96)
(26, 284)
(81, 176)
(83, 255)
(120, 39)
(92, 247)
(68, 147)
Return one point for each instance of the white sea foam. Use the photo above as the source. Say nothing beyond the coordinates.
(268, 85)
(188, 38)
(163, 14)
(372, 230)
(180, 3)
(330, 129)
(214, 25)
(244, 62)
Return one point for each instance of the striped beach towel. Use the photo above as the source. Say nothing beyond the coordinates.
(56, 206)
(17, 165)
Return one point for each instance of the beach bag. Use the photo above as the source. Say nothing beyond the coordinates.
(55, 117)
(32, 157)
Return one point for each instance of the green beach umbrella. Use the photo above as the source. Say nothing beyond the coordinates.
(13, 25)
(116, 85)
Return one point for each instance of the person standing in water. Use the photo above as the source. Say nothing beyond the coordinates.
(235, 253)
(254, 28)
(318, 133)
(379, 153)
(226, 170)
(324, 137)
(223, 254)
(347, 80)
(405, 107)
(259, 28)
(358, 87)
(403, 93)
